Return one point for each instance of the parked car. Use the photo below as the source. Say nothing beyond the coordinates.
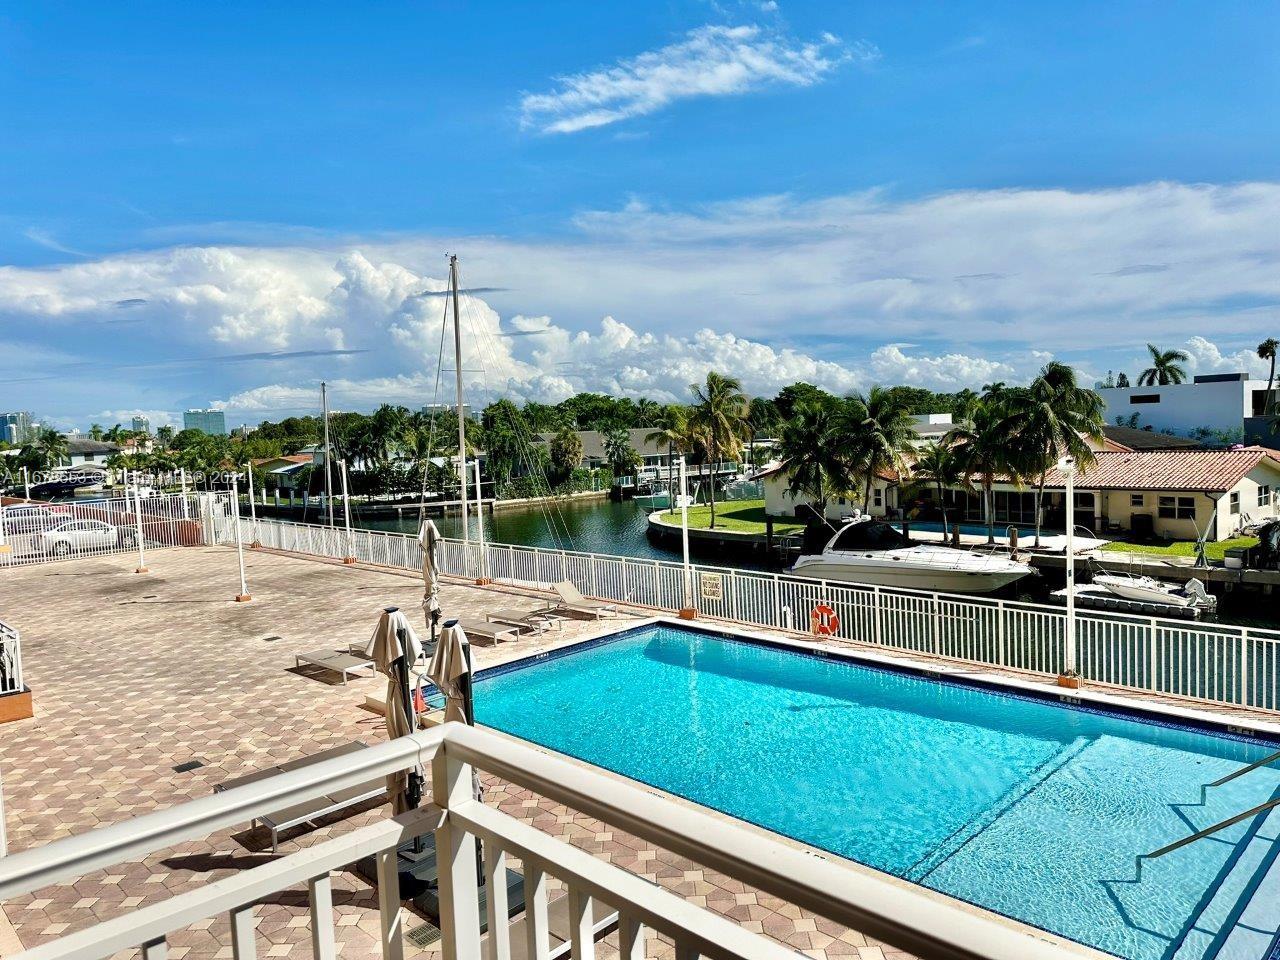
(83, 536)
(28, 519)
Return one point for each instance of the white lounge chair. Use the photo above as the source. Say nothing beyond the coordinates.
(572, 601)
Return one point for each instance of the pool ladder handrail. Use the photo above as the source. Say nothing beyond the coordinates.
(1230, 821)
(1201, 834)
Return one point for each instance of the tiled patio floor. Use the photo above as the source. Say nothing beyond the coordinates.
(135, 674)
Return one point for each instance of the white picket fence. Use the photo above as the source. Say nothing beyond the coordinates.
(10, 660)
(37, 532)
(1214, 663)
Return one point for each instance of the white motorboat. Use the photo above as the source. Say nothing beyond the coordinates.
(868, 551)
(1145, 589)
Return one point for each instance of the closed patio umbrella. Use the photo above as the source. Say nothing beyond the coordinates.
(429, 537)
(394, 647)
(450, 671)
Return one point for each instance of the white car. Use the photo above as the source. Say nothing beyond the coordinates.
(82, 536)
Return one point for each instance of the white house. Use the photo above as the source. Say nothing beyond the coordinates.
(1219, 401)
(780, 502)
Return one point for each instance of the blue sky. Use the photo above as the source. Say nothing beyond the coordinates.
(934, 193)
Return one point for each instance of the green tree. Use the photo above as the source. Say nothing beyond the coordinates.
(1267, 351)
(566, 451)
(809, 448)
(52, 447)
(1051, 419)
(622, 457)
(95, 431)
(1165, 367)
(719, 411)
(164, 437)
(936, 468)
(671, 431)
(980, 441)
(878, 434)
(762, 418)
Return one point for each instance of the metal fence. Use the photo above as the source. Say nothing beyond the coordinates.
(1214, 663)
(36, 532)
(10, 660)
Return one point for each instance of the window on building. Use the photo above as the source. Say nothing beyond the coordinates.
(1264, 495)
(1135, 499)
(1144, 398)
(1235, 501)
(1177, 508)
(877, 496)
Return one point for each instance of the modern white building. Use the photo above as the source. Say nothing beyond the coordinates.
(1218, 401)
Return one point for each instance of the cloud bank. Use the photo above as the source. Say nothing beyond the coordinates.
(711, 61)
(952, 290)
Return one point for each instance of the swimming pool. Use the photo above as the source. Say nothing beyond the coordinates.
(969, 529)
(1024, 806)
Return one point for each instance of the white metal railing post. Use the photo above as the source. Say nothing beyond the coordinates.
(684, 542)
(350, 556)
(182, 477)
(1243, 668)
(1068, 675)
(4, 838)
(1001, 647)
(875, 612)
(137, 521)
(248, 479)
(26, 484)
(1153, 665)
(451, 786)
(243, 596)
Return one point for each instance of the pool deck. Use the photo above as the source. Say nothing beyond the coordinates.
(135, 674)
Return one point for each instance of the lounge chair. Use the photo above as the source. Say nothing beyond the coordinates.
(343, 662)
(572, 601)
(493, 632)
(307, 812)
(535, 621)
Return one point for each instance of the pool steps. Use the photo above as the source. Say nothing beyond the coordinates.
(1239, 920)
(952, 845)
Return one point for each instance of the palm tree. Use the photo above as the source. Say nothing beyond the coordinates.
(1051, 419)
(719, 411)
(980, 442)
(95, 432)
(52, 447)
(762, 417)
(1165, 367)
(1267, 351)
(648, 412)
(877, 434)
(936, 467)
(673, 431)
(815, 465)
(618, 450)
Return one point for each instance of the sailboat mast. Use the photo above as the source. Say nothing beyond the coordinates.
(328, 485)
(462, 420)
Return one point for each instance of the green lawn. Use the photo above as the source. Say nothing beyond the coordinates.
(737, 516)
(1182, 548)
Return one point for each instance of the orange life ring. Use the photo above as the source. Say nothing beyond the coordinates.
(824, 620)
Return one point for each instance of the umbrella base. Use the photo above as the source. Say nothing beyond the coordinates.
(419, 883)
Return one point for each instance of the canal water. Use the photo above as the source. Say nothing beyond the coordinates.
(619, 529)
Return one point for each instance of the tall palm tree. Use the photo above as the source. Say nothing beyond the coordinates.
(936, 467)
(878, 434)
(1267, 351)
(808, 446)
(52, 447)
(1166, 367)
(672, 432)
(95, 432)
(648, 412)
(720, 411)
(980, 442)
(762, 417)
(618, 450)
(1054, 417)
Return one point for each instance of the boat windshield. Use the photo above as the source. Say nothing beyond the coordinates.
(870, 535)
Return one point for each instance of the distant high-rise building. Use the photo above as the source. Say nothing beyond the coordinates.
(142, 425)
(18, 427)
(212, 422)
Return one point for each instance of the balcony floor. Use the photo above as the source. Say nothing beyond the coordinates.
(135, 674)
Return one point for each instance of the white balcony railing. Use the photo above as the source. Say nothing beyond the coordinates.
(1206, 662)
(10, 660)
(907, 917)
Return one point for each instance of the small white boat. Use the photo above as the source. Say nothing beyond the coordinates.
(1130, 586)
(868, 551)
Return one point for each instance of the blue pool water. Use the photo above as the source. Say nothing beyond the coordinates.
(1024, 806)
